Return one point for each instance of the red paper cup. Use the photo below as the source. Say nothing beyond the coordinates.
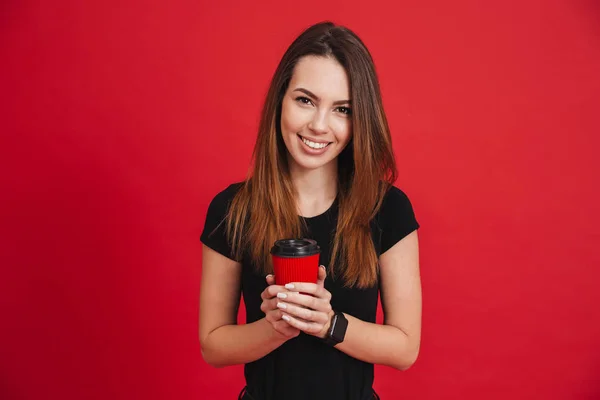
(295, 260)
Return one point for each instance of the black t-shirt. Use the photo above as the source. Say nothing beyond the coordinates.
(304, 367)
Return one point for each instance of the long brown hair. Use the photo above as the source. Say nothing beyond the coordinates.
(264, 209)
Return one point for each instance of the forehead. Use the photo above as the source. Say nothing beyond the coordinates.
(323, 76)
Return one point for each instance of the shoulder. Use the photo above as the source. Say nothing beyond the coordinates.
(395, 200)
(214, 234)
(219, 205)
(226, 195)
(396, 218)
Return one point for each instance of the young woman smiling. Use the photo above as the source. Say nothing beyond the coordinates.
(323, 168)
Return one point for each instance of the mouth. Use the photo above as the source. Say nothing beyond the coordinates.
(314, 145)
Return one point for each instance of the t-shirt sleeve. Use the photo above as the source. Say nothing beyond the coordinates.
(214, 234)
(397, 218)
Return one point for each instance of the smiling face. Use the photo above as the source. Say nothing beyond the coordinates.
(316, 120)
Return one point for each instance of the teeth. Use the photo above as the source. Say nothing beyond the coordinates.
(314, 145)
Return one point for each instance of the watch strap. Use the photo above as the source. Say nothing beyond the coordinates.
(337, 329)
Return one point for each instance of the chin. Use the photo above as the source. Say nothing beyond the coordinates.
(310, 164)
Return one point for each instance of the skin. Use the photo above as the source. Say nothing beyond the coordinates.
(316, 106)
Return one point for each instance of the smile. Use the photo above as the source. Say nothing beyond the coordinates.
(314, 145)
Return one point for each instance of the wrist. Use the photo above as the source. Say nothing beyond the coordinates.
(273, 335)
(323, 334)
(336, 332)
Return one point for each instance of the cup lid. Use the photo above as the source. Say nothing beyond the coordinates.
(295, 248)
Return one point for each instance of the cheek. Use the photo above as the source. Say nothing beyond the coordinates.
(344, 132)
(290, 120)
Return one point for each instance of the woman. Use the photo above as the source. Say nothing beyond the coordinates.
(323, 169)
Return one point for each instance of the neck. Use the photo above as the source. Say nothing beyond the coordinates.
(315, 189)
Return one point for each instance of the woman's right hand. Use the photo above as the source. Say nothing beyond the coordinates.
(272, 313)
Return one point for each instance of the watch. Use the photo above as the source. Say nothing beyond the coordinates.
(337, 329)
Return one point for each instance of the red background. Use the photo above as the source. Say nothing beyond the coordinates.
(120, 120)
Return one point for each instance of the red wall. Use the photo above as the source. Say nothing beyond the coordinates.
(120, 121)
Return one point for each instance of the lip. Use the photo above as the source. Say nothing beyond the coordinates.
(310, 150)
(314, 140)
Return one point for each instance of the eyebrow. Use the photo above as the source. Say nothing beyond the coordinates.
(314, 96)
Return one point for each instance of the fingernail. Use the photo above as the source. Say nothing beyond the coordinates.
(269, 276)
(282, 295)
(281, 305)
(289, 286)
(285, 318)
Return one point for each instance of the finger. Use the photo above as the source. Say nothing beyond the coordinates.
(322, 276)
(304, 313)
(308, 327)
(312, 302)
(286, 329)
(274, 315)
(271, 291)
(265, 294)
(270, 279)
(309, 288)
(304, 287)
(269, 305)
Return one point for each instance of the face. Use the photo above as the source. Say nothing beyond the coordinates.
(316, 113)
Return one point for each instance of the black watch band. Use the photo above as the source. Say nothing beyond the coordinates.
(337, 329)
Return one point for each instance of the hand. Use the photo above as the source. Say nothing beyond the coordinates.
(274, 314)
(310, 314)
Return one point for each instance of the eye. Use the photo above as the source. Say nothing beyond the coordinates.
(304, 100)
(345, 110)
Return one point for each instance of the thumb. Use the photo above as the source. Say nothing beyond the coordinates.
(270, 279)
(322, 275)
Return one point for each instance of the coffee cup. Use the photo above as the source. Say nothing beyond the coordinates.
(295, 260)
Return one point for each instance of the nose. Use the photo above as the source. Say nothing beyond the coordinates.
(319, 122)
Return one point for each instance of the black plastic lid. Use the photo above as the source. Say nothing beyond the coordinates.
(295, 248)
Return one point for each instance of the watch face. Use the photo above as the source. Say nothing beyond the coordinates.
(337, 330)
(333, 324)
(340, 323)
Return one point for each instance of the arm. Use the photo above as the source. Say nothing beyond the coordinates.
(223, 342)
(396, 342)
(398, 339)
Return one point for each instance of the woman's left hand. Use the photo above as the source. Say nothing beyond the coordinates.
(310, 314)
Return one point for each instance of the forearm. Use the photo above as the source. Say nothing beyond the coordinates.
(379, 344)
(240, 344)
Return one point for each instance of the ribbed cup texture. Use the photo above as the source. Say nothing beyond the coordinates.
(301, 269)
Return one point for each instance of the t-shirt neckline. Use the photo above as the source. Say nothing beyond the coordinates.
(324, 213)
